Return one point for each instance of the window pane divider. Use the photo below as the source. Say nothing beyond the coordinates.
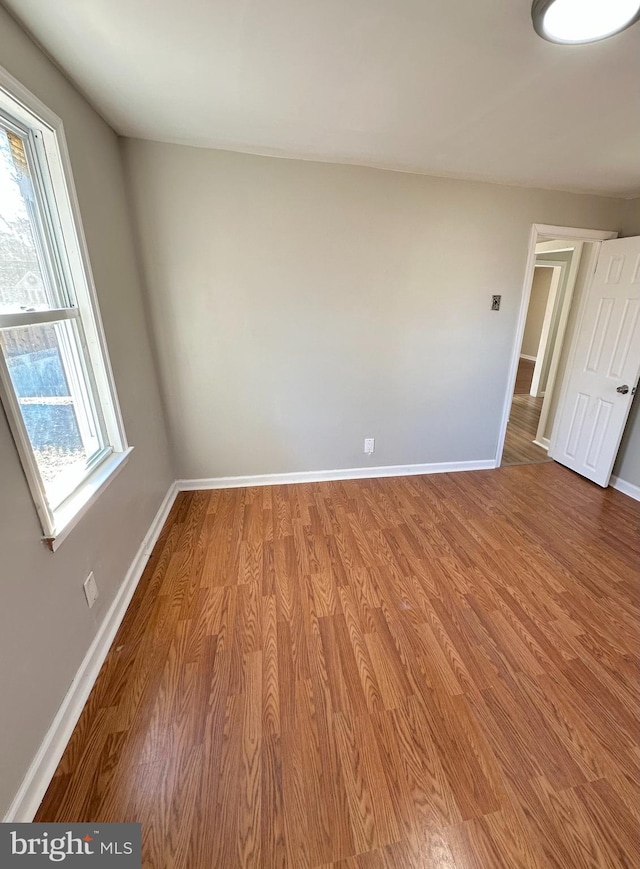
(34, 318)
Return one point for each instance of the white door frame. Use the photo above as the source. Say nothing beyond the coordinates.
(539, 232)
(563, 319)
(557, 277)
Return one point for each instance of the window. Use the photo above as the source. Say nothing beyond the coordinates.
(55, 379)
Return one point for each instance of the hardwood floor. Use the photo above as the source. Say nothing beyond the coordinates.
(420, 672)
(524, 377)
(519, 448)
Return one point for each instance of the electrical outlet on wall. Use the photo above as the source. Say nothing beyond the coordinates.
(90, 589)
(369, 445)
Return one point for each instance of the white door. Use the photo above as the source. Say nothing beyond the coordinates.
(603, 367)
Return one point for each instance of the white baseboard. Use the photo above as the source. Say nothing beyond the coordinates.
(339, 474)
(628, 488)
(528, 358)
(35, 783)
(543, 442)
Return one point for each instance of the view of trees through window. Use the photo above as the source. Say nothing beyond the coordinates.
(43, 361)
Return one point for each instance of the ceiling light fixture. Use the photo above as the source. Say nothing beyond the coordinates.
(576, 21)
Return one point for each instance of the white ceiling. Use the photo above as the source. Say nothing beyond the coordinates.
(446, 87)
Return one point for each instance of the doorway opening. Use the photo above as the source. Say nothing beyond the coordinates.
(551, 293)
(560, 264)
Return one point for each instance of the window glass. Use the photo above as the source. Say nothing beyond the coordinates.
(55, 381)
(25, 267)
(48, 378)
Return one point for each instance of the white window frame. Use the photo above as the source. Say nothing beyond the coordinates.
(49, 145)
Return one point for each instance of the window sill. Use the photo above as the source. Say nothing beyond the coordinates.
(87, 495)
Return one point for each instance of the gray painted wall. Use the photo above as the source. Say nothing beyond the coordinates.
(631, 217)
(300, 307)
(628, 464)
(540, 286)
(565, 257)
(45, 625)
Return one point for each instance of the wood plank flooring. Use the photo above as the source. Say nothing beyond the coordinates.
(420, 672)
(519, 448)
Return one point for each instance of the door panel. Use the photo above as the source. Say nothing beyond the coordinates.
(605, 358)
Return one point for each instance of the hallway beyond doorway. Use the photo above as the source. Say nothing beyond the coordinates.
(519, 448)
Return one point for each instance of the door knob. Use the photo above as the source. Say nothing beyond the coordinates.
(623, 389)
